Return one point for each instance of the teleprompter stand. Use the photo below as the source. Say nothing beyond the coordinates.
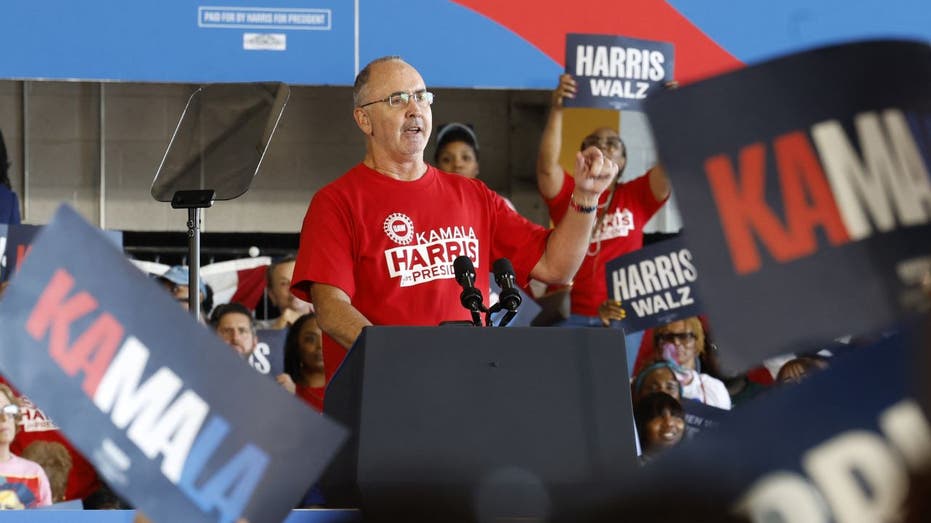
(215, 153)
(193, 201)
(469, 424)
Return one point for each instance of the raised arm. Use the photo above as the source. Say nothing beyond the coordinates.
(566, 245)
(659, 183)
(549, 172)
(336, 315)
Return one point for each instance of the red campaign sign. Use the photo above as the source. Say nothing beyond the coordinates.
(804, 187)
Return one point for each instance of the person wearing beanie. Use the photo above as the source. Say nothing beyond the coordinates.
(457, 150)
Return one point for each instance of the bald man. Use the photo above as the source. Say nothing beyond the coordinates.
(385, 234)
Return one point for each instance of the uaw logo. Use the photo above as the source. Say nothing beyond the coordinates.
(615, 225)
(399, 228)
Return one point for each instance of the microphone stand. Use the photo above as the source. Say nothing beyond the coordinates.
(508, 316)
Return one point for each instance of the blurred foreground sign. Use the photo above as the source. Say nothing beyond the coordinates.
(170, 417)
(804, 188)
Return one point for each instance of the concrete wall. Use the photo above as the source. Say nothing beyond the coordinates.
(98, 146)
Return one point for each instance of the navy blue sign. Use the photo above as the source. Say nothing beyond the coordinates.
(166, 413)
(615, 72)
(835, 447)
(15, 245)
(3, 239)
(18, 240)
(700, 417)
(656, 285)
(804, 187)
(268, 356)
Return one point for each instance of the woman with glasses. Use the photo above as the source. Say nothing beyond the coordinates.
(681, 343)
(23, 483)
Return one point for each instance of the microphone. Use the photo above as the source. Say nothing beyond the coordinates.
(509, 299)
(471, 298)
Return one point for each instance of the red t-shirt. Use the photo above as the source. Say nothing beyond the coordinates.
(313, 396)
(390, 245)
(631, 205)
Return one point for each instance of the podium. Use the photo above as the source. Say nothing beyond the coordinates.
(466, 423)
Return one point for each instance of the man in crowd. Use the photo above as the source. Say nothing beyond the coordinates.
(623, 210)
(236, 326)
(386, 233)
(278, 284)
(175, 280)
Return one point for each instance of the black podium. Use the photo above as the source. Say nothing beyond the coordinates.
(465, 423)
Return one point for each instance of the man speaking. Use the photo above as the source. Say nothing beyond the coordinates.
(378, 244)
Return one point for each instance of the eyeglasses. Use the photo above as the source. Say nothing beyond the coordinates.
(677, 337)
(423, 97)
(601, 143)
(10, 410)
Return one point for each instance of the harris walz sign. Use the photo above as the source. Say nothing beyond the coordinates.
(655, 285)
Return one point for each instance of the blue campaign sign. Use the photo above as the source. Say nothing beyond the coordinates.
(16, 245)
(18, 240)
(700, 417)
(804, 187)
(268, 356)
(655, 285)
(616, 72)
(170, 417)
(3, 238)
(835, 447)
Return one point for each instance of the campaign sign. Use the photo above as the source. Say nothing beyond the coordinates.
(655, 284)
(804, 186)
(616, 72)
(3, 237)
(268, 356)
(170, 417)
(15, 247)
(836, 447)
(700, 417)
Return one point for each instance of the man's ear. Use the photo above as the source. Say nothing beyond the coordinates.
(362, 120)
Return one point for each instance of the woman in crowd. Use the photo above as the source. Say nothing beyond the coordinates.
(303, 360)
(457, 150)
(680, 343)
(23, 483)
(659, 376)
(660, 422)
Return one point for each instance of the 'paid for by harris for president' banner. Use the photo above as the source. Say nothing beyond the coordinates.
(655, 285)
(616, 72)
(805, 189)
(171, 418)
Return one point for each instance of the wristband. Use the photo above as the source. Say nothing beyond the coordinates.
(584, 209)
